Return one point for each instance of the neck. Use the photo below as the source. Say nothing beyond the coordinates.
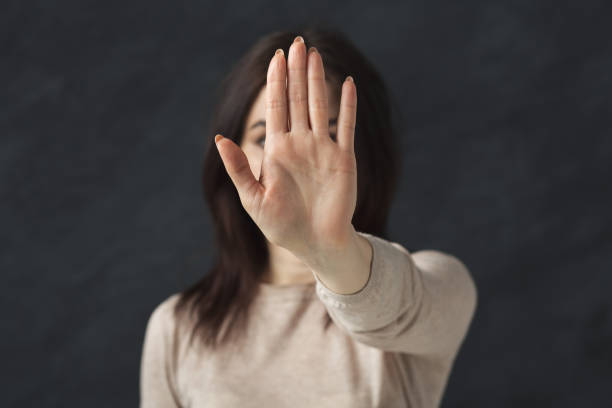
(285, 268)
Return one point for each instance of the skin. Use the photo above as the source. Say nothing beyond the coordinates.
(284, 268)
(301, 188)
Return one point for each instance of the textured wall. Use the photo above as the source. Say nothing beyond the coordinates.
(507, 148)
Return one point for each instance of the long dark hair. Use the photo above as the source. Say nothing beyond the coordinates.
(221, 299)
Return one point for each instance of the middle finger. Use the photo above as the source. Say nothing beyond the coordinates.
(297, 85)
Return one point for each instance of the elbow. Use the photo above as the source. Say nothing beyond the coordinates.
(468, 290)
(453, 275)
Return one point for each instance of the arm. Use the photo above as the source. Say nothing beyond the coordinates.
(420, 303)
(157, 382)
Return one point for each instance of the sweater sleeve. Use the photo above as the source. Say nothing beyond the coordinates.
(157, 380)
(420, 303)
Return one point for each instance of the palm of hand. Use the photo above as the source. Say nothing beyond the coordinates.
(307, 191)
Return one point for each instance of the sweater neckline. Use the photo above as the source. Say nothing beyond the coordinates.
(289, 291)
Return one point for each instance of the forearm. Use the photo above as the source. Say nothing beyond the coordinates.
(343, 271)
(419, 303)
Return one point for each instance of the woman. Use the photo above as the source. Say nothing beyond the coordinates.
(306, 304)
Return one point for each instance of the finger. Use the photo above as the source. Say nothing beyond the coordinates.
(276, 95)
(347, 115)
(237, 166)
(317, 94)
(297, 85)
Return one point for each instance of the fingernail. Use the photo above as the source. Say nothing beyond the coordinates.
(312, 49)
(298, 39)
(217, 138)
(349, 78)
(279, 52)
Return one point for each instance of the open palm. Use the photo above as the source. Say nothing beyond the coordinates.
(307, 191)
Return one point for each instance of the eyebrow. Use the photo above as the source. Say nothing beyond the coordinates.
(332, 121)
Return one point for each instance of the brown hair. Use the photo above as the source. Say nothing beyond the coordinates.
(225, 293)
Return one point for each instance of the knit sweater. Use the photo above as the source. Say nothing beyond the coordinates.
(391, 344)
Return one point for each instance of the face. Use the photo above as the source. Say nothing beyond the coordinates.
(253, 138)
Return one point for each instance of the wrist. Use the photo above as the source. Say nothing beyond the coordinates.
(344, 269)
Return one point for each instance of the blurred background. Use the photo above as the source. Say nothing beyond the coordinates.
(507, 150)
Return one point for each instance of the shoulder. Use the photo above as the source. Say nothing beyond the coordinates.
(161, 319)
(165, 309)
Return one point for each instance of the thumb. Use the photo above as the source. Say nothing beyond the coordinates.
(237, 166)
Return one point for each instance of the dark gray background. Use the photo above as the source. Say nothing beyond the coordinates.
(507, 152)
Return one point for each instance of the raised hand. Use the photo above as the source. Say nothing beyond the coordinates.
(305, 197)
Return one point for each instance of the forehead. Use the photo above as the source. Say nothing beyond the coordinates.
(258, 109)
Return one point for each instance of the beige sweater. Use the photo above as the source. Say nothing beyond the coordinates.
(392, 344)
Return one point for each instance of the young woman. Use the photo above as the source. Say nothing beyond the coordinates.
(306, 304)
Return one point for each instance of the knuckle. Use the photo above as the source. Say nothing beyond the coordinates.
(351, 104)
(319, 103)
(275, 104)
(320, 130)
(298, 96)
(346, 124)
